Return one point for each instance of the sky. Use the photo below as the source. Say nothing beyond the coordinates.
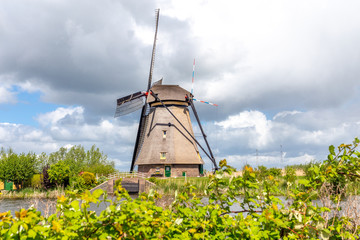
(285, 74)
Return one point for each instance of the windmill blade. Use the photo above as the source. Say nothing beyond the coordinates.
(197, 100)
(157, 12)
(130, 103)
(143, 118)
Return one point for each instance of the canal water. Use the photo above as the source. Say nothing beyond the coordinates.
(44, 205)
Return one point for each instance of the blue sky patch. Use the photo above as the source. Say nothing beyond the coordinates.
(27, 108)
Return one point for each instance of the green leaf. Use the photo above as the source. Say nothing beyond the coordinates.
(97, 193)
(325, 234)
(304, 182)
(332, 149)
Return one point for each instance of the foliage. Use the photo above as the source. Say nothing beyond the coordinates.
(102, 179)
(340, 168)
(262, 172)
(260, 216)
(92, 160)
(59, 174)
(290, 174)
(305, 167)
(275, 172)
(47, 184)
(169, 186)
(89, 178)
(153, 180)
(78, 183)
(36, 181)
(118, 183)
(17, 168)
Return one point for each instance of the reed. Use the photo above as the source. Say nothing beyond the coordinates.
(29, 193)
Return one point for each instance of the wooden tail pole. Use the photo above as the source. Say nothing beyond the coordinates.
(204, 135)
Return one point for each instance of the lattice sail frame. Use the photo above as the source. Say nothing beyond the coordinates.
(130, 103)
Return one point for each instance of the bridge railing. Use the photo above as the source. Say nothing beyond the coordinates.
(126, 175)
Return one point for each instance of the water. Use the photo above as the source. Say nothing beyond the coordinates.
(48, 206)
(44, 205)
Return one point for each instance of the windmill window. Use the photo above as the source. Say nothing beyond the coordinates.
(163, 155)
(164, 134)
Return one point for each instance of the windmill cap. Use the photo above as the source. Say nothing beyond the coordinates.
(168, 93)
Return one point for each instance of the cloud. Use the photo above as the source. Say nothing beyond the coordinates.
(294, 132)
(7, 95)
(251, 123)
(283, 73)
(65, 127)
(62, 116)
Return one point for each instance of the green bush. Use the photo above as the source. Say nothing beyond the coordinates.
(262, 172)
(118, 182)
(153, 180)
(290, 174)
(275, 172)
(59, 174)
(102, 179)
(89, 178)
(36, 181)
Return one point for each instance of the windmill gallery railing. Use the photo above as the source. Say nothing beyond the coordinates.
(118, 175)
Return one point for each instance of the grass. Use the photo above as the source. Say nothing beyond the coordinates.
(168, 186)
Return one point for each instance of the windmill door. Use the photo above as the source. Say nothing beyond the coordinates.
(167, 171)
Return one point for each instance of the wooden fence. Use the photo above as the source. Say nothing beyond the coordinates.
(118, 175)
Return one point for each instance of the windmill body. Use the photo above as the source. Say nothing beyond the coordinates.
(168, 147)
(165, 143)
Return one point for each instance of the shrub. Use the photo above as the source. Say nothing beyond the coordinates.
(118, 182)
(290, 174)
(47, 184)
(153, 180)
(36, 181)
(59, 174)
(262, 172)
(89, 178)
(78, 182)
(275, 172)
(102, 179)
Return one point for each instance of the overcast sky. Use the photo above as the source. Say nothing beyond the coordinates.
(285, 74)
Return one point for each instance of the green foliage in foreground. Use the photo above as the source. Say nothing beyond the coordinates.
(261, 215)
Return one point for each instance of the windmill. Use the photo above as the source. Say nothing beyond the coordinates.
(165, 142)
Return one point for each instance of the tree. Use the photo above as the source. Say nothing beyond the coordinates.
(92, 160)
(47, 184)
(17, 168)
(59, 173)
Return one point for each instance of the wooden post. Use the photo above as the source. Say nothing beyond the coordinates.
(110, 188)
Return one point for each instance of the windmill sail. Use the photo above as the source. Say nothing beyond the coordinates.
(129, 103)
(144, 118)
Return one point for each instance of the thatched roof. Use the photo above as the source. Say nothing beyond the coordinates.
(168, 93)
